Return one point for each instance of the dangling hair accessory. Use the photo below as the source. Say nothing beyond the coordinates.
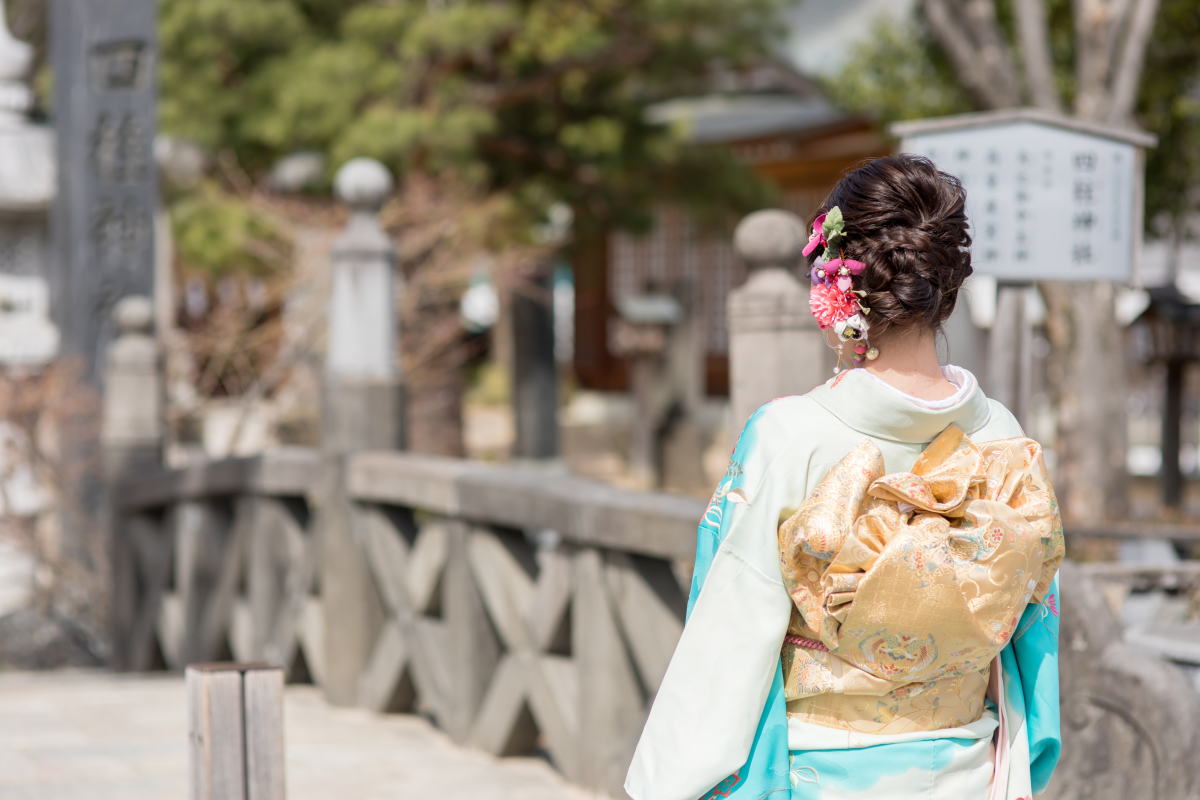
(835, 301)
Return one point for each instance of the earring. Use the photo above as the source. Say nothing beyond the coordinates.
(841, 352)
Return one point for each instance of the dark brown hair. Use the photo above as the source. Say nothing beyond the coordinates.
(906, 220)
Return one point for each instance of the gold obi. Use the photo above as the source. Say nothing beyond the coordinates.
(914, 581)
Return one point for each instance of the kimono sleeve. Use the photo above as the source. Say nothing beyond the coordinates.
(1031, 702)
(718, 725)
(1035, 648)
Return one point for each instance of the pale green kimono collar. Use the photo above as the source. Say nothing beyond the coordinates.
(867, 405)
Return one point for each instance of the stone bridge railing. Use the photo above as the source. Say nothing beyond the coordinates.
(522, 610)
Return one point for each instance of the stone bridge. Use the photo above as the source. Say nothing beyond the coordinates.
(519, 609)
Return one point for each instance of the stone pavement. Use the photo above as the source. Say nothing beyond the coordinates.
(76, 734)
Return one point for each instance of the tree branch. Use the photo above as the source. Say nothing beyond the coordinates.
(994, 50)
(989, 79)
(1093, 21)
(1118, 14)
(1034, 36)
(1129, 63)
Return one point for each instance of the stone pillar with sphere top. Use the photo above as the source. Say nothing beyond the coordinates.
(775, 346)
(362, 408)
(363, 386)
(133, 425)
(132, 435)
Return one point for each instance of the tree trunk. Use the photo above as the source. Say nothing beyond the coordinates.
(976, 46)
(1087, 386)
(1131, 57)
(1092, 62)
(1035, 50)
(436, 348)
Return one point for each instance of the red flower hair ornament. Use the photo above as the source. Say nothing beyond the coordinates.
(834, 301)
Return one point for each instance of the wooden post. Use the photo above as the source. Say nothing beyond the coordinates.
(235, 728)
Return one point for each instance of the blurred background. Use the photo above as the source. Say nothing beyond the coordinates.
(504, 232)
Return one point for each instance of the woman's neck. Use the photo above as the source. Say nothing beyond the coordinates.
(909, 362)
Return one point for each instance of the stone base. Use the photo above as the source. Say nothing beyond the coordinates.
(364, 414)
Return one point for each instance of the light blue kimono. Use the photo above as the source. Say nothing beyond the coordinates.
(1030, 663)
(700, 740)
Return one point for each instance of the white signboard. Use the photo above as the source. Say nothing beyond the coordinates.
(1044, 202)
(27, 336)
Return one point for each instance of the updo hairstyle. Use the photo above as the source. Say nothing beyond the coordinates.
(906, 220)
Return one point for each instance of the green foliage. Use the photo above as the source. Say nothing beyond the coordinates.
(899, 72)
(1169, 106)
(538, 99)
(213, 53)
(215, 233)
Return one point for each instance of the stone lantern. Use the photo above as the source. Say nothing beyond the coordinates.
(27, 181)
(1170, 335)
(645, 327)
(775, 346)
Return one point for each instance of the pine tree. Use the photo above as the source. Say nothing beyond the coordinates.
(540, 99)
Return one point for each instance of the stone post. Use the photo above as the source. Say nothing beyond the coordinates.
(362, 408)
(775, 346)
(133, 426)
(534, 370)
(132, 433)
(364, 391)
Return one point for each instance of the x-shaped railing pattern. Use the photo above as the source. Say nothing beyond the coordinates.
(214, 580)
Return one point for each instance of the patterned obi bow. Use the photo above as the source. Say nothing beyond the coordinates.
(914, 581)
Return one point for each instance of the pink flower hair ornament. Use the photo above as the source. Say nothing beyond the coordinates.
(834, 301)
(817, 239)
(830, 305)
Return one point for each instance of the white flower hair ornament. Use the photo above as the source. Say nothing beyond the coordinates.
(835, 301)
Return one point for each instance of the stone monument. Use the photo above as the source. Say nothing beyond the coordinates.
(105, 61)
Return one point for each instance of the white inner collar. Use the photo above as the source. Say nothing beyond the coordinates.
(962, 379)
